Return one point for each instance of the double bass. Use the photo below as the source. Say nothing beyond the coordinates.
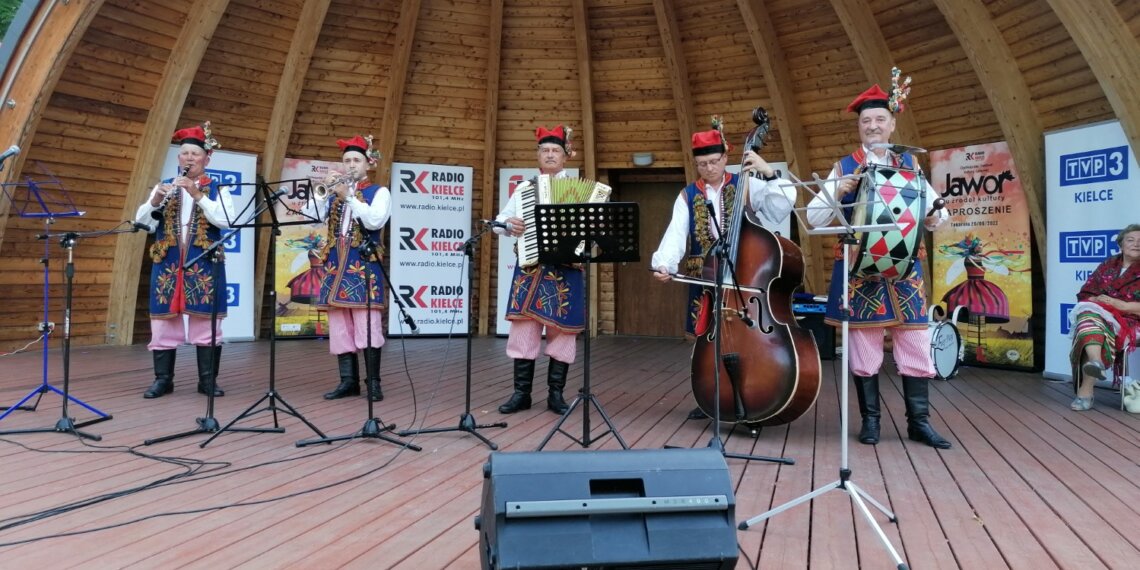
(769, 370)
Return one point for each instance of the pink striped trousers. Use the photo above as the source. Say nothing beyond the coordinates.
(525, 339)
(911, 352)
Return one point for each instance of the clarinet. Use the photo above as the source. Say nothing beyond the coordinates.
(161, 211)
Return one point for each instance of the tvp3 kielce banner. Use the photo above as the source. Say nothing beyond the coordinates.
(431, 219)
(1091, 193)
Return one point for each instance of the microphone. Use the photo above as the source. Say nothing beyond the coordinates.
(12, 151)
(140, 227)
(281, 191)
(411, 323)
(495, 224)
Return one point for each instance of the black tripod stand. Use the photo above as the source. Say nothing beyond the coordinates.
(466, 420)
(568, 234)
(373, 427)
(41, 201)
(67, 424)
(271, 397)
(209, 424)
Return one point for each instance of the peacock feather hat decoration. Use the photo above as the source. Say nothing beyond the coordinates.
(899, 92)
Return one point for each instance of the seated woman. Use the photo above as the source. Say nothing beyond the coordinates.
(1107, 316)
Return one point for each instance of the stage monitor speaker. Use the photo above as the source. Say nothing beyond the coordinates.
(632, 509)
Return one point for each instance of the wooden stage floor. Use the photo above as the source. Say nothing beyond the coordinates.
(1028, 484)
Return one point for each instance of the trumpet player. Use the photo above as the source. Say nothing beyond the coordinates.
(186, 214)
(353, 289)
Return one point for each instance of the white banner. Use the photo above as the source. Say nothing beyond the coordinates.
(431, 218)
(508, 179)
(1091, 193)
(235, 171)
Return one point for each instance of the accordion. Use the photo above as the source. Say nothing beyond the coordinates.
(549, 190)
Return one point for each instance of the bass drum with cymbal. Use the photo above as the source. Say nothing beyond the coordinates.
(945, 342)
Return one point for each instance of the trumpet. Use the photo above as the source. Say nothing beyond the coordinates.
(322, 190)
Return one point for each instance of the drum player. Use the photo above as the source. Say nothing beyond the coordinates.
(878, 304)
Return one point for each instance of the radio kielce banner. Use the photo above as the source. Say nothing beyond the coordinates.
(298, 268)
(1091, 193)
(234, 172)
(431, 218)
(981, 258)
(509, 178)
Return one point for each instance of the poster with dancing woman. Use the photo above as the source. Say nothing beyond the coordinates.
(981, 258)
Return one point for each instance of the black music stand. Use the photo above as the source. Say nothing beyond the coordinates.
(272, 396)
(208, 423)
(467, 421)
(48, 200)
(568, 234)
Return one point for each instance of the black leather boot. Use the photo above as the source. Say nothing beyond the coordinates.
(867, 392)
(916, 393)
(209, 357)
(372, 368)
(524, 379)
(349, 368)
(556, 381)
(163, 373)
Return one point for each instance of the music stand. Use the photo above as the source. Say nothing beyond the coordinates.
(568, 234)
(271, 396)
(844, 483)
(48, 200)
(467, 421)
(208, 423)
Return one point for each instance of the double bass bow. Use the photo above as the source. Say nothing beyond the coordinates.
(769, 369)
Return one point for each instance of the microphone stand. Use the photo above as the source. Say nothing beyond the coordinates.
(47, 329)
(208, 423)
(373, 427)
(720, 250)
(466, 420)
(67, 424)
(272, 396)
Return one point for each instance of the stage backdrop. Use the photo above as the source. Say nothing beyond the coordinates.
(1091, 193)
(298, 268)
(508, 179)
(233, 171)
(981, 256)
(431, 218)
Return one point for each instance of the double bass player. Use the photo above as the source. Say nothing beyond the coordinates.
(691, 232)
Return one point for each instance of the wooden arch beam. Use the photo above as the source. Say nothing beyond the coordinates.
(169, 98)
(293, 72)
(1009, 95)
(587, 136)
(397, 78)
(678, 78)
(874, 57)
(1113, 55)
(33, 82)
(490, 166)
(765, 43)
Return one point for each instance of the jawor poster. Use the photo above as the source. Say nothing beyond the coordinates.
(981, 257)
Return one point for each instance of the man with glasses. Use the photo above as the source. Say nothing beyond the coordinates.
(689, 237)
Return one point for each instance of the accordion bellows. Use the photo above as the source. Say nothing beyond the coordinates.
(549, 190)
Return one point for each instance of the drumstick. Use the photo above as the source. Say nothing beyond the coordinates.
(938, 205)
